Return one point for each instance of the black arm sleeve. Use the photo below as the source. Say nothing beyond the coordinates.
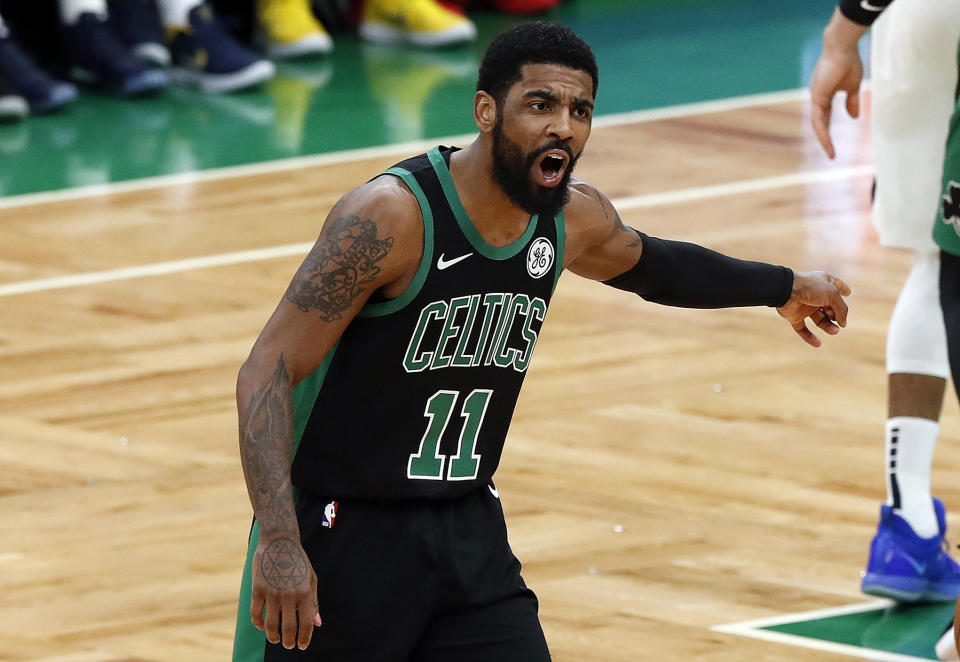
(863, 12)
(676, 273)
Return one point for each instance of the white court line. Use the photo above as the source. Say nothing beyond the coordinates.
(156, 269)
(744, 186)
(751, 629)
(222, 259)
(280, 165)
(827, 612)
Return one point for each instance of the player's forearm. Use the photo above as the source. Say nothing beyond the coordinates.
(265, 411)
(677, 273)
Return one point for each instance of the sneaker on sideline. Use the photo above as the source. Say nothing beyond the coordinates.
(137, 23)
(907, 568)
(206, 57)
(98, 58)
(290, 29)
(23, 78)
(423, 23)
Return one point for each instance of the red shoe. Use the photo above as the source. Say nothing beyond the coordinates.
(524, 6)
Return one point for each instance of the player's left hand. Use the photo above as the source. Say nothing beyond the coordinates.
(838, 69)
(819, 296)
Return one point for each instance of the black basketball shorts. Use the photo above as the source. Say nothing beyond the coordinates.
(421, 581)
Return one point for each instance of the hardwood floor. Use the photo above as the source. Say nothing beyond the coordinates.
(667, 470)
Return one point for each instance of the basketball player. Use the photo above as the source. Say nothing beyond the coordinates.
(914, 58)
(375, 403)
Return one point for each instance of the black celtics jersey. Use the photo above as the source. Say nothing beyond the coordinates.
(415, 399)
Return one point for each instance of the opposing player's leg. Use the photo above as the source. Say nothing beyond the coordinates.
(946, 233)
(914, 75)
(907, 561)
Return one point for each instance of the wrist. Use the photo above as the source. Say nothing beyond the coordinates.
(268, 535)
(842, 34)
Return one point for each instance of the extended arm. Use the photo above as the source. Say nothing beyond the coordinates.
(368, 243)
(682, 274)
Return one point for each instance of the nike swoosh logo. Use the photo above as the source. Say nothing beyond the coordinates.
(919, 567)
(865, 4)
(494, 491)
(444, 264)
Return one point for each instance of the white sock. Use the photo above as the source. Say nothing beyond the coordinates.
(70, 10)
(175, 13)
(910, 444)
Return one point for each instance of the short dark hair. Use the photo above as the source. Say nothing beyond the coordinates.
(532, 43)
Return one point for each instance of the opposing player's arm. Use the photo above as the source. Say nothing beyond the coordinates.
(372, 240)
(676, 273)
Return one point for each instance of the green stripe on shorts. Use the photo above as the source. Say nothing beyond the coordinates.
(249, 643)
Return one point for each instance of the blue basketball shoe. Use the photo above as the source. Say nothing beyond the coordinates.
(905, 567)
(98, 58)
(206, 57)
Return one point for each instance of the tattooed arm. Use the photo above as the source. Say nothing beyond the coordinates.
(372, 240)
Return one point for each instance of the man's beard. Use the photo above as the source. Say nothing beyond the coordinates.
(512, 168)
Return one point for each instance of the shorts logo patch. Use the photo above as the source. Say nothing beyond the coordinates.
(540, 257)
(330, 514)
(951, 206)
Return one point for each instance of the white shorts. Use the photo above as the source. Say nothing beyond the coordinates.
(913, 85)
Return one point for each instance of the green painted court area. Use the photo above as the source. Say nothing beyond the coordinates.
(879, 630)
(651, 53)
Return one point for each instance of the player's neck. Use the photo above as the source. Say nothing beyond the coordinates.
(497, 218)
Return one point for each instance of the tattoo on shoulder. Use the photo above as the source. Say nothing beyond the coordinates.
(339, 266)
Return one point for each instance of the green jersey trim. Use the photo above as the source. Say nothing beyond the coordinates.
(466, 225)
(561, 244)
(413, 289)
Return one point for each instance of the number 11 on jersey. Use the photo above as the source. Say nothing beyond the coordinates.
(427, 463)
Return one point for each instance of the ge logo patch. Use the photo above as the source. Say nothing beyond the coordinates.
(540, 257)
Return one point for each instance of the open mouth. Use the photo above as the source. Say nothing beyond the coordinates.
(551, 167)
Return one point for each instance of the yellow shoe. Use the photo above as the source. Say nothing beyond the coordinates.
(419, 22)
(291, 29)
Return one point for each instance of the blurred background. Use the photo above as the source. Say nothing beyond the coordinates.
(370, 91)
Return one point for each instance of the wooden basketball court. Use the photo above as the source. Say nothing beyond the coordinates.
(667, 470)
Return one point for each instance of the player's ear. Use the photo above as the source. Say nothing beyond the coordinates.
(484, 111)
